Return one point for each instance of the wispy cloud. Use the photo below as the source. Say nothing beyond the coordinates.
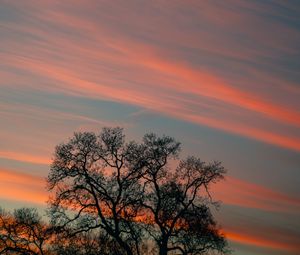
(258, 241)
(238, 192)
(92, 57)
(22, 187)
(25, 157)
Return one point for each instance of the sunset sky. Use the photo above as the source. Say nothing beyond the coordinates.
(222, 77)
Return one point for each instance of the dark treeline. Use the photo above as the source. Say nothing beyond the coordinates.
(109, 196)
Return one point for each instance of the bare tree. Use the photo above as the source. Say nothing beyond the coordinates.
(23, 232)
(132, 192)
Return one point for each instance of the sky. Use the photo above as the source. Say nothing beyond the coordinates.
(222, 77)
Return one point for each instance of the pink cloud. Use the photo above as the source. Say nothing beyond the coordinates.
(238, 192)
(104, 64)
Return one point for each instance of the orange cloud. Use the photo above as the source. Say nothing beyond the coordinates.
(22, 187)
(209, 85)
(24, 157)
(246, 239)
(241, 193)
(235, 127)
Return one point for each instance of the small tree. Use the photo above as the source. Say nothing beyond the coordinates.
(130, 191)
(23, 232)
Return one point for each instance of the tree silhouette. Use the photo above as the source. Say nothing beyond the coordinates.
(23, 232)
(130, 192)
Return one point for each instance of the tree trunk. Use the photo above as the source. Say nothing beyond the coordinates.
(124, 245)
(163, 247)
